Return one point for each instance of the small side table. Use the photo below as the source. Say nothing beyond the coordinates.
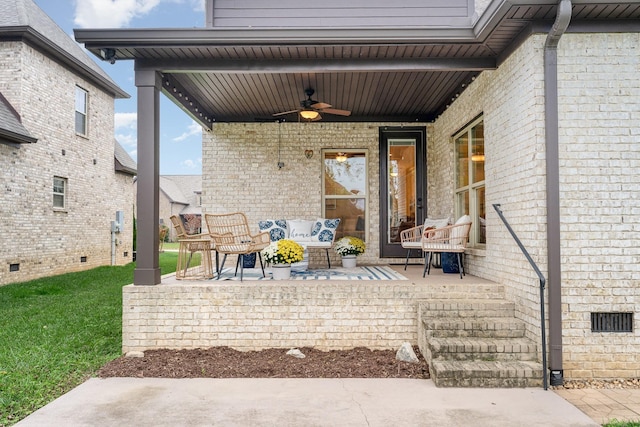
(185, 253)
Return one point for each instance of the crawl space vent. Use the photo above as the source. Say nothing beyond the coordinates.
(611, 322)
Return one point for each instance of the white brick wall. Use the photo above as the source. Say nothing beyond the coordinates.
(599, 103)
(327, 316)
(42, 241)
(240, 172)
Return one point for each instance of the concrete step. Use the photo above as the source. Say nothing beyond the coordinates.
(489, 327)
(468, 308)
(486, 373)
(485, 349)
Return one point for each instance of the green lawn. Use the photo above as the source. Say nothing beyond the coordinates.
(616, 423)
(57, 331)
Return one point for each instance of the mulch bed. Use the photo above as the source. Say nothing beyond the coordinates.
(224, 362)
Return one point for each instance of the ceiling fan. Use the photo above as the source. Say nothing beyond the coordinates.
(310, 109)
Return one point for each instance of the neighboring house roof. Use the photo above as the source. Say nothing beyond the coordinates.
(123, 162)
(11, 128)
(24, 20)
(183, 189)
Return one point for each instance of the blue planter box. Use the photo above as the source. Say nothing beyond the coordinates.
(450, 262)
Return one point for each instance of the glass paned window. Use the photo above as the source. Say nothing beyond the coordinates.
(81, 111)
(59, 192)
(470, 186)
(345, 190)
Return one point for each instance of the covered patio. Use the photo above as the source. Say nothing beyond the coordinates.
(493, 66)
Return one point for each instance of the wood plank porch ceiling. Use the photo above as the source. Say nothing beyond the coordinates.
(218, 76)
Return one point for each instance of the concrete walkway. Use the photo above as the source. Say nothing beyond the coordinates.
(301, 402)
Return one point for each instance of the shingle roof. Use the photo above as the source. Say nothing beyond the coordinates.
(11, 128)
(183, 189)
(124, 162)
(23, 18)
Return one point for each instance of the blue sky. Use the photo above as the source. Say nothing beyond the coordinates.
(180, 137)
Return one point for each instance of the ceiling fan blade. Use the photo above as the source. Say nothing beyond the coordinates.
(336, 111)
(284, 112)
(320, 105)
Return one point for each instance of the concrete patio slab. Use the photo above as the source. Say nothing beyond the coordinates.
(297, 402)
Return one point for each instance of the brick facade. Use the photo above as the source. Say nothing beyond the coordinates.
(41, 240)
(599, 157)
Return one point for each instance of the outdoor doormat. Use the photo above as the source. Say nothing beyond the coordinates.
(353, 274)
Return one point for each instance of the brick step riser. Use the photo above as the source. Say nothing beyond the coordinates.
(488, 382)
(478, 355)
(480, 329)
(469, 313)
(475, 333)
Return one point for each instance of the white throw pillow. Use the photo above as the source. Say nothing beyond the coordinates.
(300, 230)
(457, 233)
(464, 219)
(432, 223)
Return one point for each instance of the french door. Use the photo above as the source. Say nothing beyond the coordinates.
(402, 185)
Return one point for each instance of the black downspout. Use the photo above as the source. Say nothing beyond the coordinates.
(563, 18)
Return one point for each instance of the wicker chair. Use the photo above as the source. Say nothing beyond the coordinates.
(231, 236)
(452, 238)
(190, 244)
(411, 238)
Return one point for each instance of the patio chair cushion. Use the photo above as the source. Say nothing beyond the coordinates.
(324, 230)
(431, 223)
(277, 228)
(300, 230)
(457, 233)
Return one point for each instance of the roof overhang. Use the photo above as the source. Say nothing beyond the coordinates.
(379, 74)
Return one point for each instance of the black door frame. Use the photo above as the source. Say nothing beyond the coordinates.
(395, 250)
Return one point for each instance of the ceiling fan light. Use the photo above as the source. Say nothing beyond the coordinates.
(309, 114)
(341, 157)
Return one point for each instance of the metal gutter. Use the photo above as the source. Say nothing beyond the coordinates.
(554, 275)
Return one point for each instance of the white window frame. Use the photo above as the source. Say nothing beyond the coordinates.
(364, 197)
(60, 186)
(472, 187)
(81, 111)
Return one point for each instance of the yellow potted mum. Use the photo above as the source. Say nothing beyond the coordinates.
(281, 254)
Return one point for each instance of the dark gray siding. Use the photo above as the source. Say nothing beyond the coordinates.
(338, 13)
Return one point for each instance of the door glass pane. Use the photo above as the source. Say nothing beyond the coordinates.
(462, 161)
(402, 187)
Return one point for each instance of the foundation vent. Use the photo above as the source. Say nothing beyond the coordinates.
(83, 259)
(14, 267)
(611, 322)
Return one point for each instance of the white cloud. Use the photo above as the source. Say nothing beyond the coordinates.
(110, 13)
(192, 164)
(127, 139)
(193, 129)
(126, 120)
